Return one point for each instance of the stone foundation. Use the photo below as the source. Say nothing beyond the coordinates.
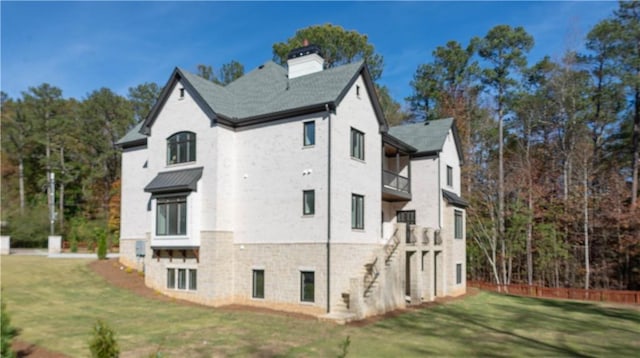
(225, 273)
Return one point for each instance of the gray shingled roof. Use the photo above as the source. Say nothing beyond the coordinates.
(177, 180)
(453, 199)
(133, 136)
(265, 90)
(425, 137)
(262, 94)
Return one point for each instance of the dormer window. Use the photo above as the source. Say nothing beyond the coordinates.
(181, 148)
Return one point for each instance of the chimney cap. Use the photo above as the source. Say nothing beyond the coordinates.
(304, 50)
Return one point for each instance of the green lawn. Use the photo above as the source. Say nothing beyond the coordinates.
(55, 302)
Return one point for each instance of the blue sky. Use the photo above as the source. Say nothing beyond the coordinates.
(83, 46)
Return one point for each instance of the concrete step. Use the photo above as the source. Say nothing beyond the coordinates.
(338, 317)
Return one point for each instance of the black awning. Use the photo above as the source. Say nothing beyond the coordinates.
(454, 199)
(175, 181)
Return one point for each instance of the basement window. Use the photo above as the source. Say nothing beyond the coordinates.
(258, 284)
(307, 286)
(182, 279)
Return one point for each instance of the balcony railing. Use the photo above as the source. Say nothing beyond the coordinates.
(396, 181)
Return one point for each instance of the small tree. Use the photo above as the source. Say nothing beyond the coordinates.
(103, 343)
(8, 332)
(344, 347)
(101, 235)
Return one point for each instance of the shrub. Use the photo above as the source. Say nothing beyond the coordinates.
(103, 342)
(101, 235)
(30, 229)
(344, 347)
(73, 244)
(85, 232)
(7, 333)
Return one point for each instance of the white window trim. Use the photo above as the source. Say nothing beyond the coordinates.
(176, 268)
(154, 213)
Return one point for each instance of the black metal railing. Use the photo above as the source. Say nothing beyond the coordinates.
(395, 181)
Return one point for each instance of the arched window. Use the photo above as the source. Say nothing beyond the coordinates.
(181, 148)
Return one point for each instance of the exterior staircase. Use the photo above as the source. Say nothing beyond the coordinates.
(367, 282)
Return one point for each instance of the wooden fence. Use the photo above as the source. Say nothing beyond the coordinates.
(617, 296)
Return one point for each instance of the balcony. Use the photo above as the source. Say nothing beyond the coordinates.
(395, 187)
(396, 171)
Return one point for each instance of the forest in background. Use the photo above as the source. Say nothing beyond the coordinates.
(551, 149)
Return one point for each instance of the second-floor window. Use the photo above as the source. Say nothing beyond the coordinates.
(308, 202)
(457, 224)
(449, 176)
(357, 211)
(309, 133)
(181, 148)
(357, 144)
(171, 216)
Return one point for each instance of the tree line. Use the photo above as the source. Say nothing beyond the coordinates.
(550, 148)
(44, 133)
(551, 152)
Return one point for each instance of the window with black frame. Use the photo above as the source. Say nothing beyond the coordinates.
(307, 286)
(181, 148)
(357, 144)
(171, 216)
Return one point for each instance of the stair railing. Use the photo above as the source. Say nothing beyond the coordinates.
(391, 246)
(371, 275)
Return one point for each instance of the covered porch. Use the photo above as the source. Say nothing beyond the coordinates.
(396, 169)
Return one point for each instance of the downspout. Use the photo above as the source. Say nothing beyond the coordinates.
(326, 106)
(439, 195)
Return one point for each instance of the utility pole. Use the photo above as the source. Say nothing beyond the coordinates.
(52, 201)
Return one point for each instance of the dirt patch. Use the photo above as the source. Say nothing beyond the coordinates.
(118, 275)
(24, 349)
(236, 307)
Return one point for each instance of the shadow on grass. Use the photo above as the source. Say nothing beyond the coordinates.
(574, 316)
(592, 309)
(519, 325)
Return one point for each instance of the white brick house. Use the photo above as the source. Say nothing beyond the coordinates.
(286, 189)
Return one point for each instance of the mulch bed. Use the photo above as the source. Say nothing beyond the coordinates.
(24, 349)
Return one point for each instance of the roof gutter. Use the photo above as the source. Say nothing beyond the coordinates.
(314, 108)
(133, 143)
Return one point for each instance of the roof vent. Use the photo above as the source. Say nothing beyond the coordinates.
(304, 60)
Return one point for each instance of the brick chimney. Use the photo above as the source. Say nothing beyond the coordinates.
(304, 60)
